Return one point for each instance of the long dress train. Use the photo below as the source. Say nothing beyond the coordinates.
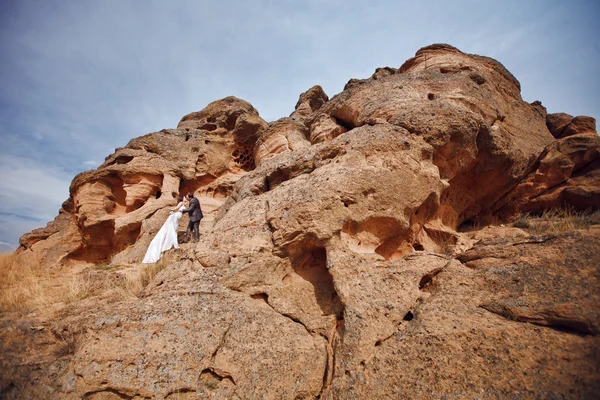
(164, 239)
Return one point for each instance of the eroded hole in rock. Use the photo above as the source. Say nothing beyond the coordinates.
(100, 242)
(158, 194)
(418, 247)
(478, 79)
(231, 120)
(409, 316)
(123, 159)
(277, 177)
(119, 195)
(261, 296)
(130, 193)
(385, 236)
(312, 267)
(430, 96)
(208, 127)
(344, 123)
(243, 156)
(193, 185)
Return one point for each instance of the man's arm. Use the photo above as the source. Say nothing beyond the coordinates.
(193, 205)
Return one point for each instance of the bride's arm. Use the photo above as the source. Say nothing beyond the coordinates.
(177, 206)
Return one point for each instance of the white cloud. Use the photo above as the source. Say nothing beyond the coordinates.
(30, 196)
(78, 78)
(6, 247)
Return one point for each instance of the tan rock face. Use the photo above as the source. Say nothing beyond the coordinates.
(309, 102)
(329, 265)
(283, 135)
(566, 174)
(562, 125)
(469, 109)
(121, 205)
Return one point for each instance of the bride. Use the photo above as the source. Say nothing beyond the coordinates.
(167, 235)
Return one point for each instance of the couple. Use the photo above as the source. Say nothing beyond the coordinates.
(167, 235)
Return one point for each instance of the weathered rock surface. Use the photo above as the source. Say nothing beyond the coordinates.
(122, 204)
(329, 265)
(309, 102)
(562, 125)
(285, 134)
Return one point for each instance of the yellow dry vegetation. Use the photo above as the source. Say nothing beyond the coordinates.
(27, 285)
(557, 220)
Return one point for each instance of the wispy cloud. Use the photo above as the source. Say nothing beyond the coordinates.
(30, 196)
(78, 79)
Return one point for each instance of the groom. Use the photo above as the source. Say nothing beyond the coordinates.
(195, 214)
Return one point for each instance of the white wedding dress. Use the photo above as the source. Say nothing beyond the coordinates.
(165, 238)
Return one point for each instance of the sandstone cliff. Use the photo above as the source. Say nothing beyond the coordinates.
(329, 264)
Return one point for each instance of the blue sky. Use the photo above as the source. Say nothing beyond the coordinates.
(80, 78)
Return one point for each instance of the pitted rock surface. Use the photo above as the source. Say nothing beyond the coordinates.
(330, 263)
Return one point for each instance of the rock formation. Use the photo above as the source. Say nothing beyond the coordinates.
(329, 264)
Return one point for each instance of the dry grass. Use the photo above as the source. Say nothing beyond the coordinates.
(557, 220)
(22, 282)
(445, 242)
(135, 283)
(27, 285)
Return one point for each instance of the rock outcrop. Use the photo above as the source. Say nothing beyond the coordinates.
(330, 263)
(114, 211)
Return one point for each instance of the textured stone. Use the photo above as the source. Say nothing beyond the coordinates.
(329, 263)
(282, 135)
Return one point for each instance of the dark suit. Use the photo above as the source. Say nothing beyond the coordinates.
(195, 213)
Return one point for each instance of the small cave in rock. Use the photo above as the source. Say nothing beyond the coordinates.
(119, 195)
(158, 194)
(409, 316)
(231, 120)
(478, 79)
(467, 226)
(385, 236)
(311, 265)
(208, 127)
(347, 124)
(430, 96)
(276, 178)
(101, 242)
(131, 193)
(193, 185)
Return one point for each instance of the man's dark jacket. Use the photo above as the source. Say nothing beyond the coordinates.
(194, 210)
